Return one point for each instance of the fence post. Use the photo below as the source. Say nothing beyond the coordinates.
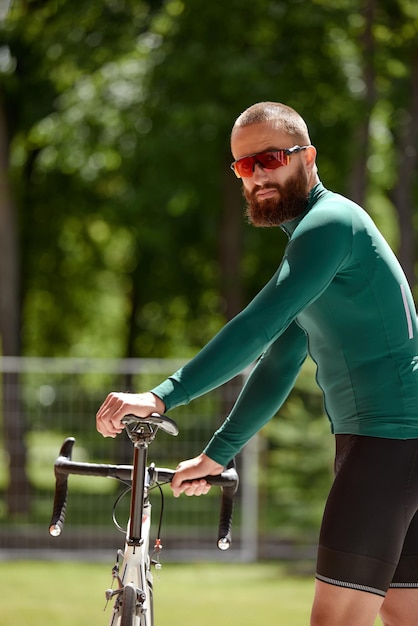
(249, 500)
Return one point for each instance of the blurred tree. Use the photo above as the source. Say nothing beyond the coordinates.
(377, 48)
(397, 36)
(17, 493)
(45, 48)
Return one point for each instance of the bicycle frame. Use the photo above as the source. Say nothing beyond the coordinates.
(135, 577)
(135, 574)
(133, 598)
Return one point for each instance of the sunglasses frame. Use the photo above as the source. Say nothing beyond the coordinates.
(286, 151)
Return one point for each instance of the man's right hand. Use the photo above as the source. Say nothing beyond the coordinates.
(201, 465)
(118, 405)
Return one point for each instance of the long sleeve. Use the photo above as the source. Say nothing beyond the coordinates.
(266, 389)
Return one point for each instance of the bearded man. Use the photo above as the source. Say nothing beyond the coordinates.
(340, 295)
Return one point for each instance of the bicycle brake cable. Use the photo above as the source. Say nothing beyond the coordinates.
(118, 499)
(158, 546)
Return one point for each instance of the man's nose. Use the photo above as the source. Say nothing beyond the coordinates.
(260, 175)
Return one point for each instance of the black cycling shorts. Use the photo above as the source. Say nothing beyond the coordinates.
(369, 533)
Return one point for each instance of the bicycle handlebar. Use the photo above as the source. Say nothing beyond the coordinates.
(228, 481)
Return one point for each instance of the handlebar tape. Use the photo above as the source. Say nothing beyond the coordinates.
(227, 509)
(61, 491)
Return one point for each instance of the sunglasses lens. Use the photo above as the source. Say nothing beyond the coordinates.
(269, 160)
(244, 167)
(272, 160)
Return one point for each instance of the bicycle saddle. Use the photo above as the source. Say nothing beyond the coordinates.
(155, 419)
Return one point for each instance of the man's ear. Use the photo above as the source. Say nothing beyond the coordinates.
(310, 157)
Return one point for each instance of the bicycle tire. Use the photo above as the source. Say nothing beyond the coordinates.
(149, 621)
(128, 608)
(128, 616)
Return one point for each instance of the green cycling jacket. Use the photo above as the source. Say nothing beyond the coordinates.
(340, 295)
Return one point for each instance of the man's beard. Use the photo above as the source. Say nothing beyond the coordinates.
(292, 202)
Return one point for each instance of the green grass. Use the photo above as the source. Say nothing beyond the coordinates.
(65, 594)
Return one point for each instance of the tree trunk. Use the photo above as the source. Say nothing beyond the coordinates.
(403, 193)
(230, 247)
(358, 180)
(18, 493)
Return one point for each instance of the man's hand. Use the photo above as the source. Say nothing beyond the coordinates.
(200, 466)
(117, 405)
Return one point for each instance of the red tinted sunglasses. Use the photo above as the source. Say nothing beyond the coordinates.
(269, 160)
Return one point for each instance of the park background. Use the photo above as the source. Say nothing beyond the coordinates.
(122, 236)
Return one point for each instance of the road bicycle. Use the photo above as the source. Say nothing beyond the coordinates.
(133, 597)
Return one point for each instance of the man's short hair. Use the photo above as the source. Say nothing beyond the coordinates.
(280, 115)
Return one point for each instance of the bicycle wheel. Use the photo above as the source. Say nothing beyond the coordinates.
(128, 609)
(149, 621)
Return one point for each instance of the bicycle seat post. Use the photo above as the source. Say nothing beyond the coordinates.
(141, 435)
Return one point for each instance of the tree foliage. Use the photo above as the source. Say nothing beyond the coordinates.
(119, 117)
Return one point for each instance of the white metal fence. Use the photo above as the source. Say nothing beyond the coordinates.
(56, 398)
